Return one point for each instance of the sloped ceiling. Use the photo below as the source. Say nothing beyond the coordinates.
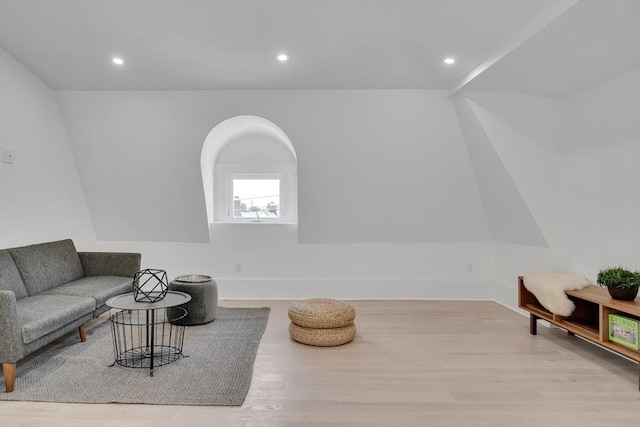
(508, 215)
(588, 44)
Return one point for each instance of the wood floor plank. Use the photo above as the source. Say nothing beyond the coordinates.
(412, 363)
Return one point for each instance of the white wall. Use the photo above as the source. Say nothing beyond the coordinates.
(518, 134)
(373, 166)
(523, 132)
(576, 165)
(138, 159)
(511, 261)
(275, 266)
(41, 198)
(388, 205)
(509, 216)
(601, 131)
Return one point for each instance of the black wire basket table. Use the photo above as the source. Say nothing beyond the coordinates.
(144, 335)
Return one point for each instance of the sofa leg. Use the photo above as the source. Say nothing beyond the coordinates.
(9, 372)
(83, 334)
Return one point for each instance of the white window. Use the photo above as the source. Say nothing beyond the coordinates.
(249, 173)
(255, 197)
(255, 193)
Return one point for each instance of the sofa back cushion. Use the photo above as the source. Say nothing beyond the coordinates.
(10, 279)
(47, 265)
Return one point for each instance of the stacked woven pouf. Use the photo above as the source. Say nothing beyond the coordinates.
(322, 322)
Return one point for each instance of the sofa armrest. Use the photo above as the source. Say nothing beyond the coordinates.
(122, 264)
(11, 346)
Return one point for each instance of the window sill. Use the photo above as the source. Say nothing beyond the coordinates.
(265, 222)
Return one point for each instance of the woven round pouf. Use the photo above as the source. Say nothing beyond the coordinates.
(321, 313)
(322, 322)
(327, 337)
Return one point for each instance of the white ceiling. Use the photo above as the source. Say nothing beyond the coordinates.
(332, 44)
(591, 42)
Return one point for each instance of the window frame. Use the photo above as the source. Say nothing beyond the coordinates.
(223, 190)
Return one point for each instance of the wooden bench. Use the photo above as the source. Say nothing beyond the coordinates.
(590, 319)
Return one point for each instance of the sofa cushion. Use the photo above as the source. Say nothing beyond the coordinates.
(47, 265)
(10, 279)
(100, 288)
(40, 315)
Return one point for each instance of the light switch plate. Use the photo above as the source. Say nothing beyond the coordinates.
(7, 155)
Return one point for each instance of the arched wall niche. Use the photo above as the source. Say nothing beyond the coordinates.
(246, 144)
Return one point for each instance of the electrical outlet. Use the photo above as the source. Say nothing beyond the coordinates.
(238, 267)
(7, 156)
(469, 267)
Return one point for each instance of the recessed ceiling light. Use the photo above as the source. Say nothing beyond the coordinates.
(282, 57)
(118, 61)
(449, 61)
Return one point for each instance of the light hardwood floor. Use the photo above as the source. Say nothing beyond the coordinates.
(412, 363)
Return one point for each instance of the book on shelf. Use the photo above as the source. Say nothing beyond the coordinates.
(624, 331)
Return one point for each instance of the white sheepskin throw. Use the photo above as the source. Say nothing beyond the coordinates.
(549, 289)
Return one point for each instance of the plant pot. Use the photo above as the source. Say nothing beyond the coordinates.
(624, 294)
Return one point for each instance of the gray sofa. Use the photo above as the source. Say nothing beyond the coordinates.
(50, 289)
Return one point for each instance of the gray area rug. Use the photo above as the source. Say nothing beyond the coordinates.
(217, 371)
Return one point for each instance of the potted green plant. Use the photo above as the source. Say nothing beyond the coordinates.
(621, 283)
